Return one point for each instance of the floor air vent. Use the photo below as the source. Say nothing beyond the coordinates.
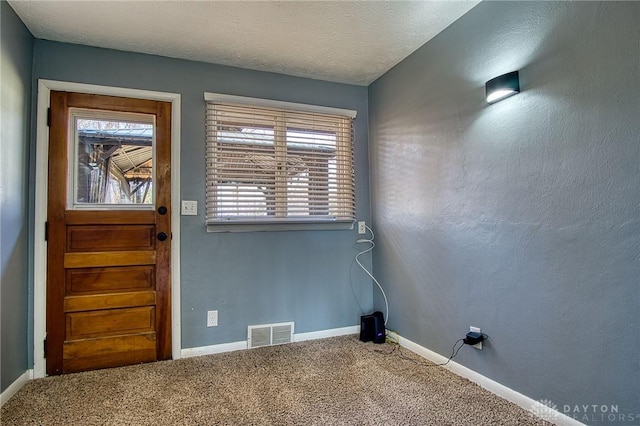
(270, 334)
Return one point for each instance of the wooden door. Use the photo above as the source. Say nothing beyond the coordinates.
(108, 262)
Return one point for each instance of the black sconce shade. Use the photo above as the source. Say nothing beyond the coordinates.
(503, 86)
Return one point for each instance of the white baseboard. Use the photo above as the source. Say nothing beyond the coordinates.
(242, 345)
(15, 386)
(323, 334)
(213, 349)
(494, 387)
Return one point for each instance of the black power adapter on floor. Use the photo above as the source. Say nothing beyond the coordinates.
(372, 328)
(473, 337)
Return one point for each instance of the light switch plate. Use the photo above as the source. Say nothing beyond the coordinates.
(189, 208)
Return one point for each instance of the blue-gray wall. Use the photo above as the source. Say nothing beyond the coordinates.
(15, 95)
(250, 278)
(521, 217)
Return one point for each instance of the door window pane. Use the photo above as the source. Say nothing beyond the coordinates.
(113, 161)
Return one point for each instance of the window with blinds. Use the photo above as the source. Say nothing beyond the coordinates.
(267, 164)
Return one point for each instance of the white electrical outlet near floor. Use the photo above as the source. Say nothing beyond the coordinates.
(477, 330)
(212, 318)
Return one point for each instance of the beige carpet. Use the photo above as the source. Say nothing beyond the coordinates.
(337, 381)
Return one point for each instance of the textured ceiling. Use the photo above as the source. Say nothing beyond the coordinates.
(343, 41)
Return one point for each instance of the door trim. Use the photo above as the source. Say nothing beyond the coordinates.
(40, 207)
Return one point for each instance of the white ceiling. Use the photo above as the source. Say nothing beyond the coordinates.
(343, 41)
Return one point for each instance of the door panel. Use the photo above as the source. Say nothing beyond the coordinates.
(109, 258)
(107, 280)
(84, 238)
(111, 322)
(109, 301)
(108, 275)
(91, 354)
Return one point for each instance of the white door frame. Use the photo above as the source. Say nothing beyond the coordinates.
(40, 245)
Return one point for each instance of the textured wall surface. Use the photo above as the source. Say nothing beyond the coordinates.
(250, 278)
(521, 217)
(15, 92)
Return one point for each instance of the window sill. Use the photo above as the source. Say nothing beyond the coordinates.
(281, 226)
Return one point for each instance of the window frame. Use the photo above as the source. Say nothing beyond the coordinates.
(72, 161)
(277, 223)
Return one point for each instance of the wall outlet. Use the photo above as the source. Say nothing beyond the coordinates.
(212, 318)
(477, 330)
(362, 227)
(189, 208)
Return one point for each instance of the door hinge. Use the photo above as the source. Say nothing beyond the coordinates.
(45, 347)
(46, 231)
(48, 117)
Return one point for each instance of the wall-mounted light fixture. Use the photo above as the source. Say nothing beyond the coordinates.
(502, 87)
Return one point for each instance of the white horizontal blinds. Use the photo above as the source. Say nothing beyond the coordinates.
(240, 161)
(267, 164)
